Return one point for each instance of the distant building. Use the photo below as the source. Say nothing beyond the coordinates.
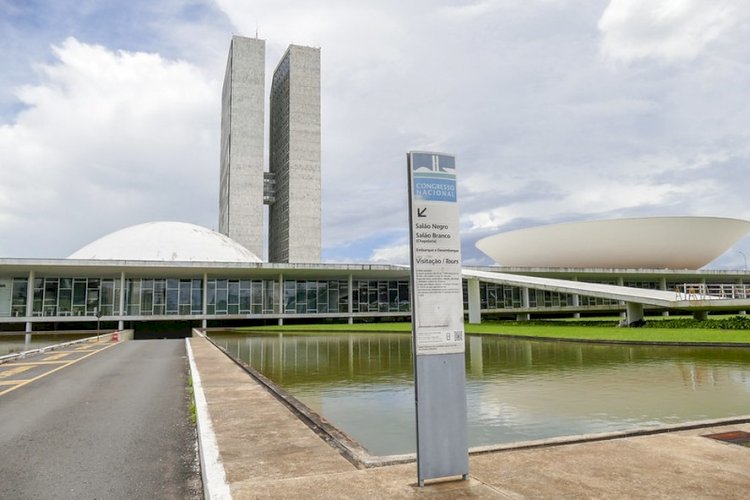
(294, 216)
(242, 140)
(292, 186)
(180, 274)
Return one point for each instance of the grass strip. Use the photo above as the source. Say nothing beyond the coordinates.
(581, 330)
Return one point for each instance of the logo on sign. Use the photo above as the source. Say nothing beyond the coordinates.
(434, 177)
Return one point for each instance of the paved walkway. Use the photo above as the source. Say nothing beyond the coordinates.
(268, 453)
(100, 420)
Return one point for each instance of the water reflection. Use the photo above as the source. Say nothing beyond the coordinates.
(516, 389)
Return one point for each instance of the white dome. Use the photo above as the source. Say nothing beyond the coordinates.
(166, 241)
(645, 243)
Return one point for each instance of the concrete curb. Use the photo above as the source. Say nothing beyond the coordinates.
(349, 448)
(215, 484)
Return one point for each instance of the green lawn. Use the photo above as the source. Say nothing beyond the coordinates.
(598, 330)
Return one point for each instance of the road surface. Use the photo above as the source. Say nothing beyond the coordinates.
(113, 425)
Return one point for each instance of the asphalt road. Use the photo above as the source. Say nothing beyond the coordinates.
(113, 425)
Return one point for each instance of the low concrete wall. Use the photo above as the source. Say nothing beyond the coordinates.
(121, 335)
(126, 334)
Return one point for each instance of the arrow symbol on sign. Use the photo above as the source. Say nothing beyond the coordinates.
(421, 212)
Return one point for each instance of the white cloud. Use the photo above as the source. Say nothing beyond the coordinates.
(667, 30)
(544, 127)
(106, 139)
(396, 254)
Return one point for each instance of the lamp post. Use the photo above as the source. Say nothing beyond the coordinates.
(744, 257)
(98, 313)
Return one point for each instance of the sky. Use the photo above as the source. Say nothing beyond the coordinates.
(556, 110)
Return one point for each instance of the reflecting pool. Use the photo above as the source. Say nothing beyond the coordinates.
(517, 390)
(12, 343)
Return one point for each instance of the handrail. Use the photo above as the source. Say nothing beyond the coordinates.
(703, 291)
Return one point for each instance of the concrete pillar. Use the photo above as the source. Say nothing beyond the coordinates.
(634, 312)
(663, 286)
(576, 300)
(121, 322)
(29, 303)
(700, 315)
(204, 322)
(350, 298)
(621, 282)
(524, 303)
(475, 313)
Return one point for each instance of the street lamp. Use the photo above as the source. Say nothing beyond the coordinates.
(98, 313)
(744, 257)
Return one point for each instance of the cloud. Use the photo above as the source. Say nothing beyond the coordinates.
(106, 139)
(665, 30)
(543, 128)
(556, 111)
(396, 254)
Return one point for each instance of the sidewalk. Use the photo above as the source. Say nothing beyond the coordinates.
(267, 452)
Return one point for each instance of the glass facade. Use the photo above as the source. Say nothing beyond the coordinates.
(66, 296)
(227, 296)
(163, 296)
(77, 296)
(380, 296)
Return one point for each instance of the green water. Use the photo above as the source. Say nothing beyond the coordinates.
(517, 390)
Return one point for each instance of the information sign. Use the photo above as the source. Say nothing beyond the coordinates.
(437, 308)
(437, 318)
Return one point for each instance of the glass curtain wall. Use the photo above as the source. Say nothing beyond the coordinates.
(380, 296)
(226, 296)
(163, 296)
(316, 296)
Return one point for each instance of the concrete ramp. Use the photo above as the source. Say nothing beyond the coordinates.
(644, 296)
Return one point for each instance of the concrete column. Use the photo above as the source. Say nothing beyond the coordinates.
(634, 312)
(700, 315)
(204, 321)
(350, 293)
(524, 303)
(29, 303)
(621, 282)
(475, 313)
(576, 303)
(121, 322)
(663, 286)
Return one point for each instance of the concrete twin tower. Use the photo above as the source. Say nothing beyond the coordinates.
(291, 186)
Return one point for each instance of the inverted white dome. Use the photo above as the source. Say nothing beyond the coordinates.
(166, 241)
(640, 243)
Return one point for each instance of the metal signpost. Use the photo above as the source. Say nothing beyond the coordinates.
(437, 317)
